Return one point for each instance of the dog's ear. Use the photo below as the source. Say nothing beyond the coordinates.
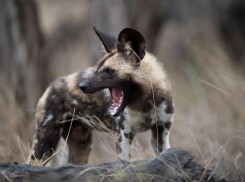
(108, 41)
(132, 45)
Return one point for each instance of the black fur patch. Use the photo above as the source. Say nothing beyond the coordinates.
(131, 38)
(109, 42)
(120, 122)
(168, 125)
(170, 108)
(157, 132)
(120, 138)
(129, 136)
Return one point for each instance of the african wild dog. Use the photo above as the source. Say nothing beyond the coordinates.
(128, 90)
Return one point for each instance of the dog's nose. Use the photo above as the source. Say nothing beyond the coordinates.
(83, 87)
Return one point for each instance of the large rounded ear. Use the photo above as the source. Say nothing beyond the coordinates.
(108, 41)
(132, 45)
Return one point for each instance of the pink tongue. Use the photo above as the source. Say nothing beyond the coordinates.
(116, 94)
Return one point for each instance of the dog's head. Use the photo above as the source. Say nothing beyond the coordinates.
(116, 70)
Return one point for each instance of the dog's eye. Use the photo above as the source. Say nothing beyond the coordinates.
(108, 70)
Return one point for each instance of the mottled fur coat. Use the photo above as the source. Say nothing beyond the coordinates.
(128, 91)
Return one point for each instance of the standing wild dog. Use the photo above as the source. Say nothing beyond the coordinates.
(128, 90)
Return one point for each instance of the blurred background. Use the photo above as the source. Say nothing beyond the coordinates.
(200, 43)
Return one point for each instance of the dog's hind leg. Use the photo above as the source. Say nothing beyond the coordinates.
(46, 138)
(79, 140)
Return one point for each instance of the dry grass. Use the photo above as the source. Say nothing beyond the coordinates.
(209, 95)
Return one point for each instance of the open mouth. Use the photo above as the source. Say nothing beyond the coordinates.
(117, 96)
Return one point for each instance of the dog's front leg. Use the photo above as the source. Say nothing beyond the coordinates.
(123, 144)
(160, 137)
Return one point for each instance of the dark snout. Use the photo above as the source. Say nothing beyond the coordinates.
(91, 85)
(84, 87)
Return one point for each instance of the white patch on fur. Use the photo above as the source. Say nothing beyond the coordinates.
(165, 139)
(64, 116)
(74, 102)
(125, 146)
(164, 105)
(88, 72)
(106, 93)
(35, 141)
(172, 118)
(133, 120)
(162, 115)
(50, 116)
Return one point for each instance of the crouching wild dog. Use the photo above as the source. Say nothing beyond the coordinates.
(128, 90)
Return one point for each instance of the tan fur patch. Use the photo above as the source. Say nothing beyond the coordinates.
(43, 99)
(75, 79)
(72, 83)
(152, 72)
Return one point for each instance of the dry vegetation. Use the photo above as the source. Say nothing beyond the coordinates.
(208, 89)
